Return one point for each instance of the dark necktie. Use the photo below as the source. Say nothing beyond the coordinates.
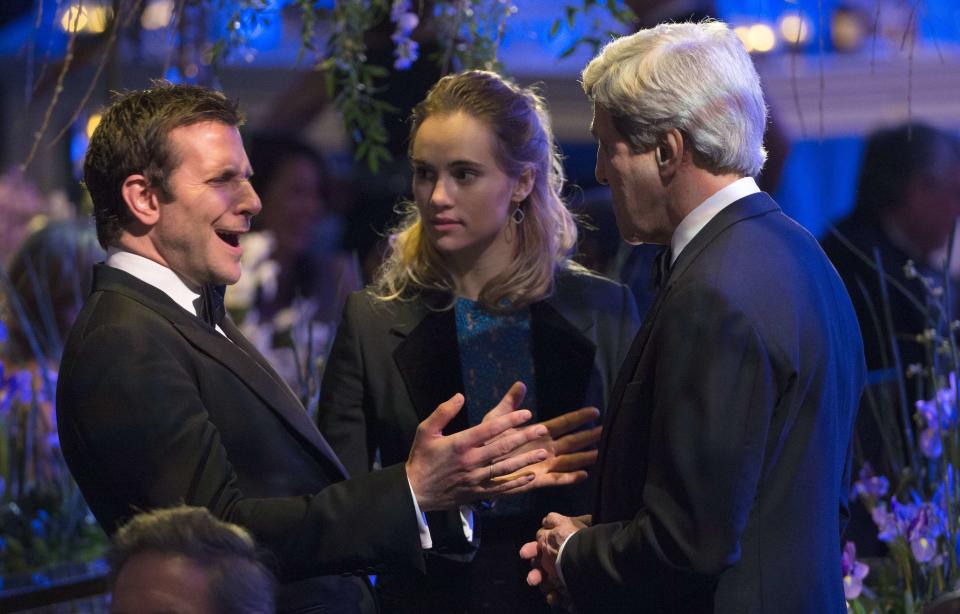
(211, 308)
(661, 267)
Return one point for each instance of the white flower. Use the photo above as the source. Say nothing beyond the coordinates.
(259, 272)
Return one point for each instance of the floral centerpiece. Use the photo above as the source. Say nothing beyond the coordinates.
(44, 521)
(916, 510)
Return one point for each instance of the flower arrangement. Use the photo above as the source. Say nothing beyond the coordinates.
(916, 511)
(44, 521)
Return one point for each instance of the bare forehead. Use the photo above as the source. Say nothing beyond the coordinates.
(456, 134)
(208, 143)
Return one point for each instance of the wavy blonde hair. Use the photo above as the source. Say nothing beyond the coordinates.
(524, 140)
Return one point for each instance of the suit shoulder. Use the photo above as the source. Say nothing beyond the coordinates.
(104, 309)
(365, 308)
(588, 283)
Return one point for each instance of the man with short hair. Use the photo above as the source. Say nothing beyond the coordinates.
(182, 560)
(725, 459)
(162, 401)
(907, 203)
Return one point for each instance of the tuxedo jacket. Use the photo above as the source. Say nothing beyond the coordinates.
(393, 362)
(156, 408)
(725, 459)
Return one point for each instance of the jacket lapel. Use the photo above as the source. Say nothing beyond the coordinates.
(236, 354)
(428, 359)
(560, 346)
(750, 206)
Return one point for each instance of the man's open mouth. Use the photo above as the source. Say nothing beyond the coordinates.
(230, 238)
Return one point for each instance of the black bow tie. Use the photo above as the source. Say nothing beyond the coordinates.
(211, 308)
(661, 267)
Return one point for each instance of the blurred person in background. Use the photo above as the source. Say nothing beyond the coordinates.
(49, 277)
(907, 203)
(477, 292)
(301, 214)
(182, 560)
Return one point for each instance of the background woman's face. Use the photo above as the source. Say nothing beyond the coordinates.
(292, 204)
(464, 197)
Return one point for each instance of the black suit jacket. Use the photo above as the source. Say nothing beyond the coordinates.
(725, 459)
(156, 408)
(393, 362)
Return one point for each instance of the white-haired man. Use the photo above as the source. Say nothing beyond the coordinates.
(725, 460)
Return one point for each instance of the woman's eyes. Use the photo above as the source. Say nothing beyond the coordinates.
(463, 174)
(423, 173)
(460, 174)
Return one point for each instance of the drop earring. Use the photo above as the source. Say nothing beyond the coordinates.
(518, 215)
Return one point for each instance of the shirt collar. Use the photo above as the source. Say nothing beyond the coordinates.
(153, 273)
(694, 222)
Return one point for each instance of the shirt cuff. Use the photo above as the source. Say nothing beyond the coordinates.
(560, 556)
(466, 519)
(426, 542)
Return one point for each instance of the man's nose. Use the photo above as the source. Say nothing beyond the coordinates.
(250, 201)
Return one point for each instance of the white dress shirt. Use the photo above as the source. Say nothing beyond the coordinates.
(691, 225)
(163, 278)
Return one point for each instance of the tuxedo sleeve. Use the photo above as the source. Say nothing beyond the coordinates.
(711, 393)
(139, 425)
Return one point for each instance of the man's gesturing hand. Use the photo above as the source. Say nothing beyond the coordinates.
(447, 471)
(566, 460)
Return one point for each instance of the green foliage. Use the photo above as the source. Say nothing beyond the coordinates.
(591, 9)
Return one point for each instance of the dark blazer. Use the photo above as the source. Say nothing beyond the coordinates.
(725, 460)
(393, 362)
(156, 408)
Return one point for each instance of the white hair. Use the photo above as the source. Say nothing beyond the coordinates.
(693, 77)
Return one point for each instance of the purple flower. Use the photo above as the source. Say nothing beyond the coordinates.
(920, 524)
(939, 413)
(407, 52)
(407, 22)
(399, 8)
(886, 522)
(870, 484)
(853, 572)
(923, 549)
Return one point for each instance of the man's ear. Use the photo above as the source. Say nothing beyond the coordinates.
(669, 153)
(524, 185)
(141, 199)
